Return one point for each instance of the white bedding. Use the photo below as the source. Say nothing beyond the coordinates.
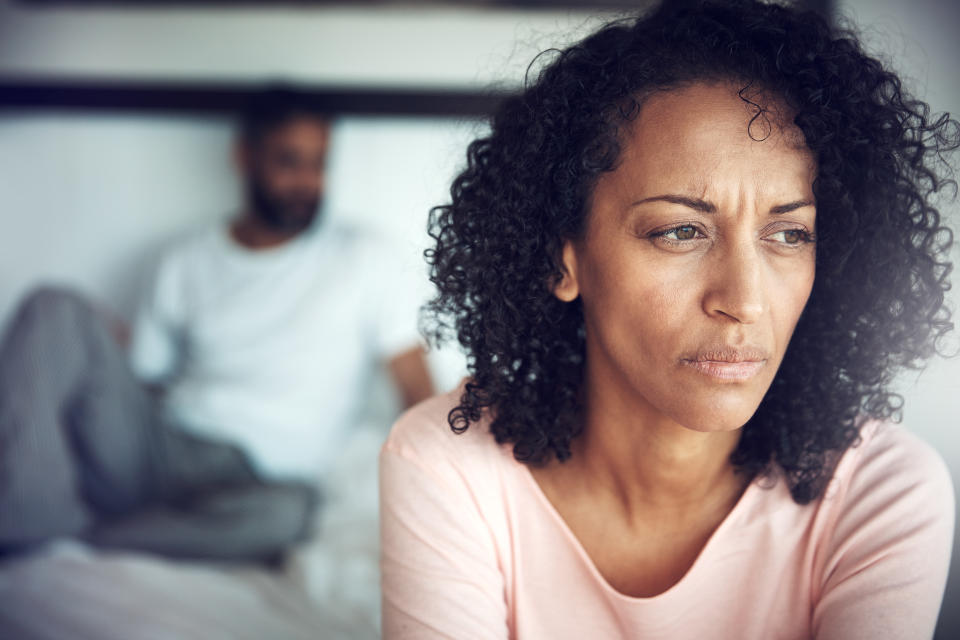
(329, 588)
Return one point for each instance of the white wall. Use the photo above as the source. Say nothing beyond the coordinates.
(424, 46)
(86, 199)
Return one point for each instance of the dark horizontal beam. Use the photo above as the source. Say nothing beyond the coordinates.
(219, 98)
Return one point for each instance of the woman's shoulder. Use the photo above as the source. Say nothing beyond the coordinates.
(423, 434)
(891, 476)
(890, 455)
(888, 532)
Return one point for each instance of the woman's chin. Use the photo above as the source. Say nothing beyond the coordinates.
(716, 419)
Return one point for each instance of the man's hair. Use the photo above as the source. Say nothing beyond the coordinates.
(877, 303)
(275, 106)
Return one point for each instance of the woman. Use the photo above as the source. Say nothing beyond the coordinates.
(685, 266)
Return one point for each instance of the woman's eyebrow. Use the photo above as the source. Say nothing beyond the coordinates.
(686, 201)
(791, 206)
(708, 207)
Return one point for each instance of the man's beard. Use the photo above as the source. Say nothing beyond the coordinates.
(283, 215)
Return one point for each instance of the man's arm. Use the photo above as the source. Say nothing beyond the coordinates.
(155, 339)
(411, 374)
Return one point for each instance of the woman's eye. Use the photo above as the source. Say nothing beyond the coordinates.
(792, 236)
(683, 232)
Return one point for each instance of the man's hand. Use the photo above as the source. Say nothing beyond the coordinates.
(411, 375)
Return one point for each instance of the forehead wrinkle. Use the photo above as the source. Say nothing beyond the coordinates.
(685, 160)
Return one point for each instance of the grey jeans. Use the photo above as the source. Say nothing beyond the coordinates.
(84, 453)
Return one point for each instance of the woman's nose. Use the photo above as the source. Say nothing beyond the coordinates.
(735, 285)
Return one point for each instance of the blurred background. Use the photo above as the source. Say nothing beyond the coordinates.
(116, 125)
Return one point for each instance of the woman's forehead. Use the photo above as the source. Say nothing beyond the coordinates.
(704, 131)
(750, 116)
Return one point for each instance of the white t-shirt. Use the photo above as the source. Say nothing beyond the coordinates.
(274, 349)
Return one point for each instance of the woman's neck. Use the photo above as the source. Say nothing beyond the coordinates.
(648, 461)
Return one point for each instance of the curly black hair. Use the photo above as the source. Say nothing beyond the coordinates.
(877, 303)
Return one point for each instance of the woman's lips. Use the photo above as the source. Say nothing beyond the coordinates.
(732, 371)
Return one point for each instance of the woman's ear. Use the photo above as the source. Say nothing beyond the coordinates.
(567, 288)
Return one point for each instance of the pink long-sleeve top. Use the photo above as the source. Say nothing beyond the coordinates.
(472, 548)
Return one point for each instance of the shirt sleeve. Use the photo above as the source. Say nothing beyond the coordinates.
(440, 573)
(889, 554)
(155, 347)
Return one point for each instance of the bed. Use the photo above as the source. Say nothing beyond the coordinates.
(327, 588)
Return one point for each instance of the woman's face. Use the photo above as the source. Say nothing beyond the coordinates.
(697, 258)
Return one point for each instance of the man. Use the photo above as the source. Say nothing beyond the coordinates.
(257, 339)
(265, 331)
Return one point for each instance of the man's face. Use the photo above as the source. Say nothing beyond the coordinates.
(284, 172)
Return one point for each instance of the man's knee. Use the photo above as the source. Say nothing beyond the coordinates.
(53, 317)
(59, 309)
(47, 300)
